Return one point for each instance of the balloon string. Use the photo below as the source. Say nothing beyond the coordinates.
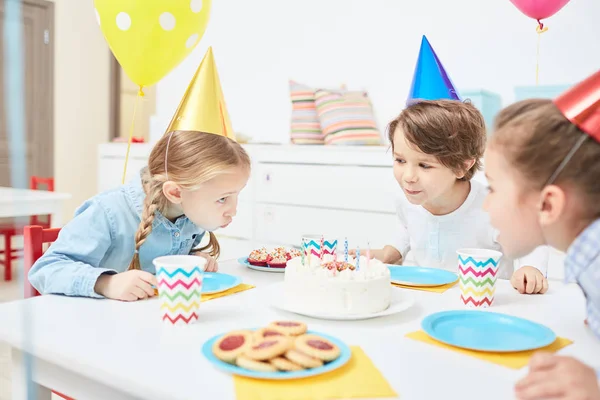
(137, 100)
(539, 29)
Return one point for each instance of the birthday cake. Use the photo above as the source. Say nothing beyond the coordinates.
(336, 288)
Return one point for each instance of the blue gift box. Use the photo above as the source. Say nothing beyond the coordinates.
(488, 103)
(540, 92)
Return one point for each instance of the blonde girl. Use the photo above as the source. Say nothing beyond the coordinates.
(190, 187)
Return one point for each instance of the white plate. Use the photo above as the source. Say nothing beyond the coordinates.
(401, 301)
(244, 261)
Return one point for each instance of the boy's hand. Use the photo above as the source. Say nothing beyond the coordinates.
(555, 377)
(211, 264)
(387, 255)
(126, 286)
(529, 280)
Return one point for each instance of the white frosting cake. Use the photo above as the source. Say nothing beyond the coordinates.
(315, 289)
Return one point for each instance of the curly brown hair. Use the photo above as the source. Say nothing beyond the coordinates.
(450, 130)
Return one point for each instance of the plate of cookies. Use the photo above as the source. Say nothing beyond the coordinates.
(280, 350)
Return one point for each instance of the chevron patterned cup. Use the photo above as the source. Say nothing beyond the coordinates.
(312, 244)
(477, 274)
(179, 287)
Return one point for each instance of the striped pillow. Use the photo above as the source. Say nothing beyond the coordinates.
(305, 126)
(346, 118)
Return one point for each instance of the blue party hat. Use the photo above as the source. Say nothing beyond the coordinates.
(430, 81)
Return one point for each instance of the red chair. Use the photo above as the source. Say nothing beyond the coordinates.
(34, 238)
(11, 229)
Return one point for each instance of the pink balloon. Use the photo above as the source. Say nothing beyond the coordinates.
(539, 9)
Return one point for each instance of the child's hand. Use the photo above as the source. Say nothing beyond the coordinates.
(126, 286)
(374, 253)
(529, 280)
(387, 255)
(557, 377)
(211, 264)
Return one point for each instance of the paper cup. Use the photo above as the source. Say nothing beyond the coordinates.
(478, 272)
(179, 287)
(312, 244)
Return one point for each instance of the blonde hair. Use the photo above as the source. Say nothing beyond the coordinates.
(193, 159)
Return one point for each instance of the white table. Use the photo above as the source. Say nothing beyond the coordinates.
(102, 349)
(25, 202)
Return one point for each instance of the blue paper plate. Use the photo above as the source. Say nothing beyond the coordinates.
(214, 282)
(487, 331)
(419, 276)
(244, 261)
(344, 357)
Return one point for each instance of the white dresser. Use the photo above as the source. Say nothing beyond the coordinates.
(296, 190)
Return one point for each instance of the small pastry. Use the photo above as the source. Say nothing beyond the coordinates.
(264, 333)
(253, 365)
(302, 359)
(317, 347)
(268, 348)
(292, 328)
(283, 364)
(258, 257)
(278, 258)
(231, 345)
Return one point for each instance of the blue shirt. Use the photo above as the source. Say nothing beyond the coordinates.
(582, 265)
(101, 239)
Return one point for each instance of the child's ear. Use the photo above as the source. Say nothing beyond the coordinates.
(172, 192)
(467, 166)
(552, 205)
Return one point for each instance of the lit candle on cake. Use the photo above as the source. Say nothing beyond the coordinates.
(346, 250)
(303, 251)
(357, 258)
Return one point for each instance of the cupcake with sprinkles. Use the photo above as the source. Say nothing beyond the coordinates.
(258, 257)
(278, 258)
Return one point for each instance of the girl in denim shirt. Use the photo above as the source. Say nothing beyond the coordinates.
(190, 187)
(543, 167)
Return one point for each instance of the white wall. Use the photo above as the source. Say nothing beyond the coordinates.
(81, 99)
(373, 44)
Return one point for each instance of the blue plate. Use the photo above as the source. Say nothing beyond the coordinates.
(419, 276)
(244, 261)
(344, 357)
(214, 282)
(487, 331)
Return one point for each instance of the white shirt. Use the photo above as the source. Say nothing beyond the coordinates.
(433, 239)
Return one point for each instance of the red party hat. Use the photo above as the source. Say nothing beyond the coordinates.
(581, 105)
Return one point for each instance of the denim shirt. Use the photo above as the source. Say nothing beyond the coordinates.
(101, 239)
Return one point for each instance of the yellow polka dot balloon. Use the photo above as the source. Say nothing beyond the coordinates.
(151, 37)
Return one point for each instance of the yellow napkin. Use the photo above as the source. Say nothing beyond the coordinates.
(514, 360)
(239, 288)
(205, 297)
(357, 379)
(436, 289)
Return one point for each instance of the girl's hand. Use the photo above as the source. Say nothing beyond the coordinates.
(555, 377)
(211, 264)
(126, 286)
(529, 280)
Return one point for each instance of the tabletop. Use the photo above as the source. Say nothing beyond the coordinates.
(126, 346)
(22, 202)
